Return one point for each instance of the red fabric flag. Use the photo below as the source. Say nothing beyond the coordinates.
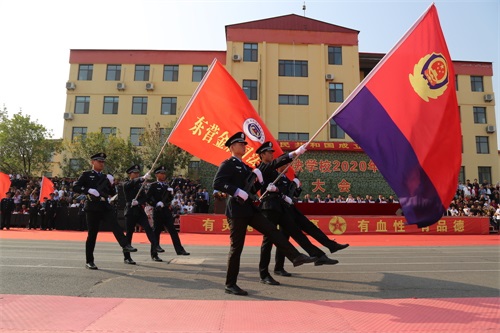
(404, 115)
(218, 109)
(46, 188)
(4, 184)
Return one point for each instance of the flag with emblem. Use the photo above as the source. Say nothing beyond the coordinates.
(4, 184)
(46, 188)
(404, 115)
(218, 109)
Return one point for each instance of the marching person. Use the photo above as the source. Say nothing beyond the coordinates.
(134, 211)
(98, 187)
(232, 178)
(159, 195)
(275, 210)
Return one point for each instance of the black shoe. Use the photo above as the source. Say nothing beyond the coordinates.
(91, 265)
(159, 249)
(183, 253)
(235, 290)
(337, 247)
(282, 272)
(303, 259)
(128, 248)
(156, 258)
(269, 280)
(129, 261)
(324, 260)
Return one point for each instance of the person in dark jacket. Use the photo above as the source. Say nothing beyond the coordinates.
(7, 206)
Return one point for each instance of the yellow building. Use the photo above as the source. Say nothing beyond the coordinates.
(295, 70)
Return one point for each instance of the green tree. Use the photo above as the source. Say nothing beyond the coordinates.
(120, 153)
(172, 157)
(27, 146)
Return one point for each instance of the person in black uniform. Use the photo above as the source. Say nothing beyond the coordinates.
(274, 209)
(98, 187)
(33, 210)
(232, 178)
(7, 206)
(50, 212)
(159, 195)
(134, 211)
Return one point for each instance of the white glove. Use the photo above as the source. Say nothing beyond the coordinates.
(259, 175)
(171, 190)
(297, 181)
(272, 188)
(160, 204)
(146, 176)
(301, 150)
(94, 192)
(288, 200)
(135, 202)
(110, 178)
(242, 194)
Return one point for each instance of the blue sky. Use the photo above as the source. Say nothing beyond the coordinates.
(38, 35)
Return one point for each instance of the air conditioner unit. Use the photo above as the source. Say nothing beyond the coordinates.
(150, 86)
(120, 86)
(488, 97)
(329, 77)
(70, 85)
(68, 116)
(236, 57)
(490, 129)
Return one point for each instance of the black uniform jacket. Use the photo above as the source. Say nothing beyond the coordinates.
(273, 200)
(91, 179)
(158, 192)
(130, 189)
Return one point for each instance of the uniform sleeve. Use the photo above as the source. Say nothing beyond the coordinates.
(79, 186)
(222, 179)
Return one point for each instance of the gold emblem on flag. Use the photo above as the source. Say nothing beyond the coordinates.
(430, 76)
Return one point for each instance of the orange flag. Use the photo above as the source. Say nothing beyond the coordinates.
(4, 184)
(46, 188)
(218, 109)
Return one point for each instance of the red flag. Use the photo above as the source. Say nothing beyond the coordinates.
(46, 188)
(404, 115)
(218, 109)
(4, 184)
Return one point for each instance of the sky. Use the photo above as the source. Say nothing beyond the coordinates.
(37, 36)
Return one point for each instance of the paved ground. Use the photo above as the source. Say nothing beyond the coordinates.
(373, 289)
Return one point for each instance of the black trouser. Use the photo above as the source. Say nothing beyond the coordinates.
(238, 229)
(33, 220)
(83, 222)
(136, 215)
(286, 222)
(50, 217)
(5, 219)
(163, 218)
(93, 221)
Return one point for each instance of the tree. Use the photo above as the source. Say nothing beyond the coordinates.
(27, 146)
(120, 153)
(172, 157)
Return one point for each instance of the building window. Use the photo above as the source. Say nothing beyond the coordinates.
(113, 72)
(290, 136)
(168, 105)
(295, 68)
(479, 115)
(336, 92)
(139, 105)
(141, 73)
(85, 72)
(461, 175)
(107, 131)
(193, 166)
(460, 113)
(476, 83)
(75, 164)
(482, 145)
(456, 82)
(79, 132)
(135, 135)
(164, 133)
(250, 52)
(335, 131)
(250, 89)
(110, 105)
(334, 55)
(293, 100)
(484, 174)
(199, 72)
(171, 73)
(82, 104)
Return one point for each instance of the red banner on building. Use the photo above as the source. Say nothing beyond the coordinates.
(350, 225)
